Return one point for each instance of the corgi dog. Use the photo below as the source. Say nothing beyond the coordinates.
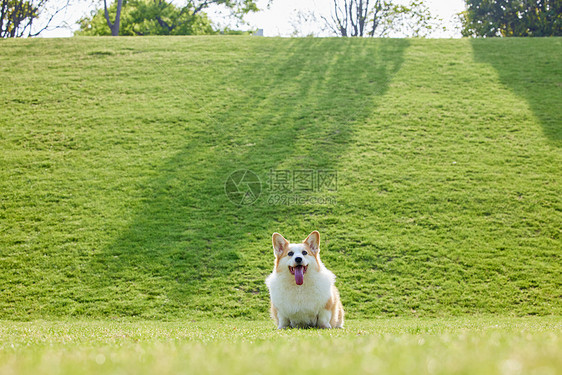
(302, 290)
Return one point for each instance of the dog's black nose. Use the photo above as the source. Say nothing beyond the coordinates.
(298, 259)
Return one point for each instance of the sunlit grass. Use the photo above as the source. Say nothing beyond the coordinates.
(114, 154)
(469, 345)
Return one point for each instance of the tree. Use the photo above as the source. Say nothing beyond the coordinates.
(370, 18)
(147, 17)
(18, 17)
(489, 18)
(192, 11)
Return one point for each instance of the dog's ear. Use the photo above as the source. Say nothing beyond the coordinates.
(279, 244)
(313, 241)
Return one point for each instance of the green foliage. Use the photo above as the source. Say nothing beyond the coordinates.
(148, 17)
(115, 153)
(413, 19)
(468, 345)
(490, 18)
(229, 31)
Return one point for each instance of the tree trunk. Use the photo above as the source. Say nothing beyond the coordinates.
(114, 27)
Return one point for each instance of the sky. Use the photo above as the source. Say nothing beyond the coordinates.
(277, 17)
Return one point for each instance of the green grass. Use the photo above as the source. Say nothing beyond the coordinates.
(485, 345)
(114, 154)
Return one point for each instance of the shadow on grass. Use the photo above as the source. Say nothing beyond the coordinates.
(532, 69)
(291, 104)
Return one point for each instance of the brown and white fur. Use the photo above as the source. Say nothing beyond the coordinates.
(313, 303)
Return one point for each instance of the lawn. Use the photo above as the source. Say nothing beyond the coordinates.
(114, 155)
(474, 345)
(431, 168)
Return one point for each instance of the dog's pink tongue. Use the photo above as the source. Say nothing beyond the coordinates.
(299, 275)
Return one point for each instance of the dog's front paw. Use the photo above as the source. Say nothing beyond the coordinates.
(283, 323)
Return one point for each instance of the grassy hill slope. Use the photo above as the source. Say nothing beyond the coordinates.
(114, 155)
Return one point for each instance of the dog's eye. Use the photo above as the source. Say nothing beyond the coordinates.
(304, 252)
(290, 253)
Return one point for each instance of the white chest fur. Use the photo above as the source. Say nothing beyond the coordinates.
(300, 305)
